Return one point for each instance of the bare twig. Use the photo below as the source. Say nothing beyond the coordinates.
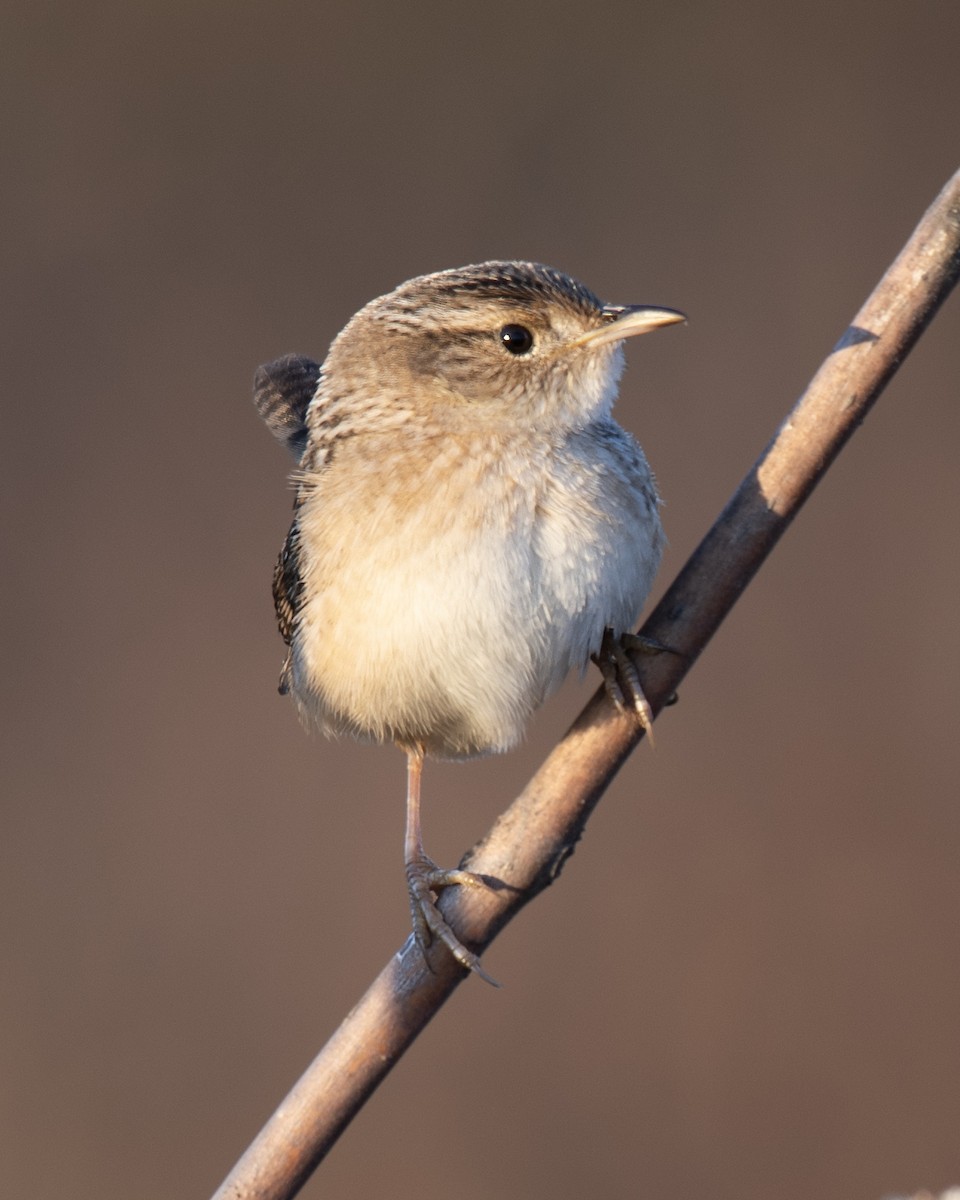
(529, 843)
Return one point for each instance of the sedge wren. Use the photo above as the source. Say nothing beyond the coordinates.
(470, 522)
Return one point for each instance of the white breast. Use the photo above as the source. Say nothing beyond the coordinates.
(443, 606)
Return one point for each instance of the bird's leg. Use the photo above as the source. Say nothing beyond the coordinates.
(620, 673)
(424, 878)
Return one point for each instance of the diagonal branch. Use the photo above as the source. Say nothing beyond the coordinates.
(529, 843)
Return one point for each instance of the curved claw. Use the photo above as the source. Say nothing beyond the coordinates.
(620, 676)
(424, 878)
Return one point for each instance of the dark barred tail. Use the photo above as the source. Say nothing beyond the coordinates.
(282, 390)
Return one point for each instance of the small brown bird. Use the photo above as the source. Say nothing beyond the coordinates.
(470, 521)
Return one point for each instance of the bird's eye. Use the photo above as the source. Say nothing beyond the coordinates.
(516, 338)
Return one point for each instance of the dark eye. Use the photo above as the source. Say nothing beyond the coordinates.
(516, 338)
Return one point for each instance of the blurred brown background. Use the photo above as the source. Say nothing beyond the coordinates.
(746, 983)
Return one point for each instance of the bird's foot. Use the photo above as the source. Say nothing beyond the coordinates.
(620, 676)
(424, 880)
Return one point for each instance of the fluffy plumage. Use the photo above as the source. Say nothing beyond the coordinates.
(469, 521)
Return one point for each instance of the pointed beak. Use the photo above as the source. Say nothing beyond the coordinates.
(623, 321)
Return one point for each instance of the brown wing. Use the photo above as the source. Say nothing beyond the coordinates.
(287, 595)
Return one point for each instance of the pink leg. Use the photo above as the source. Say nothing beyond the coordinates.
(424, 878)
